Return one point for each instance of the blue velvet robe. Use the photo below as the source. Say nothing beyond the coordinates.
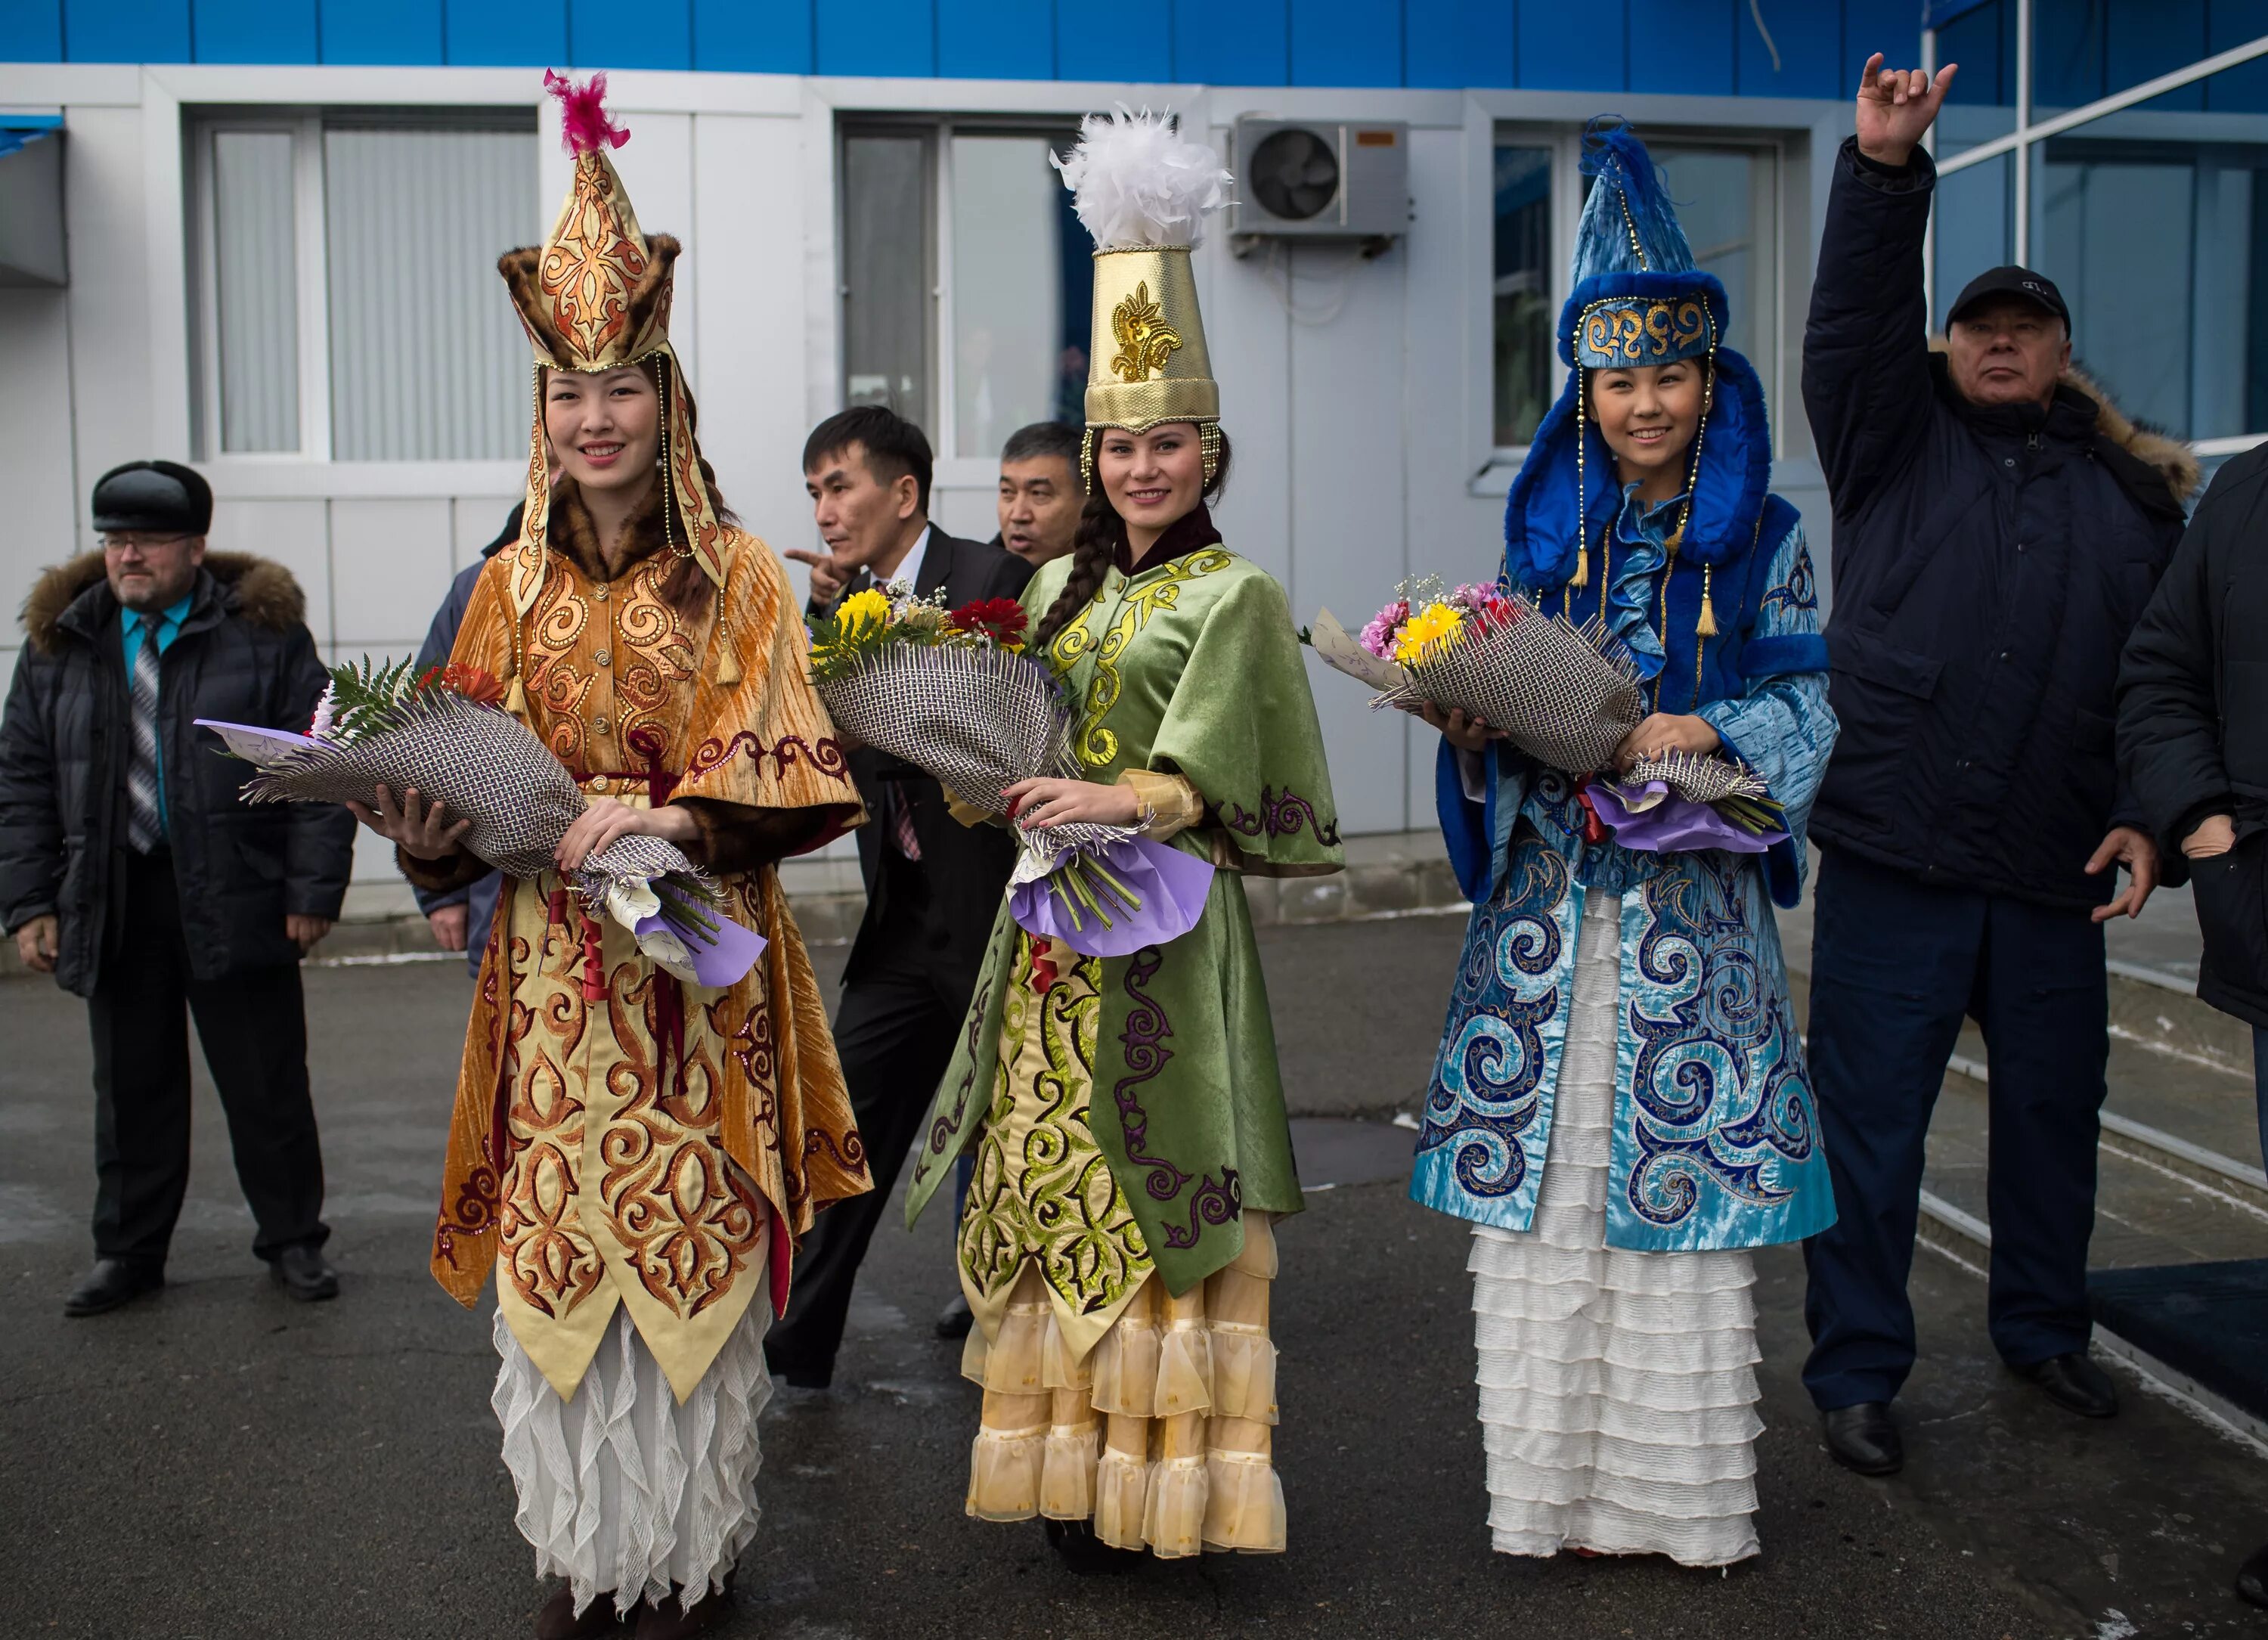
(1716, 1144)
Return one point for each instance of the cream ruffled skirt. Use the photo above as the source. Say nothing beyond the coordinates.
(625, 1490)
(1617, 1388)
(1162, 1436)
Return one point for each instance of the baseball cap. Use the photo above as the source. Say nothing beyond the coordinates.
(2036, 288)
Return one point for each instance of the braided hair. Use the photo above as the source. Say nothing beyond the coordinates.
(1102, 532)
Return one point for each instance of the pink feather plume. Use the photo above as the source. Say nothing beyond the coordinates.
(584, 121)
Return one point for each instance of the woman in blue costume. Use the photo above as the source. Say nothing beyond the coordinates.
(1620, 1104)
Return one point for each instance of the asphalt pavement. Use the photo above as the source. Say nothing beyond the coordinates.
(219, 1462)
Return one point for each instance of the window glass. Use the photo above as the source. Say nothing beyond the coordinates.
(427, 361)
(1023, 290)
(1727, 202)
(1524, 315)
(1975, 213)
(255, 277)
(2153, 224)
(885, 271)
(1982, 104)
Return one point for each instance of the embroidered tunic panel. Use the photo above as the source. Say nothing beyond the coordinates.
(1715, 1132)
(1190, 668)
(655, 1145)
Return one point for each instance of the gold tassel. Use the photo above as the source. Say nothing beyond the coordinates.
(728, 664)
(515, 700)
(1706, 627)
(1582, 575)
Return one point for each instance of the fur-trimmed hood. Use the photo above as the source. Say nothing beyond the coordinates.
(2173, 460)
(261, 590)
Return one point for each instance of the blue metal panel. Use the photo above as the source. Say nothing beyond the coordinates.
(878, 37)
(1812, 59)
(1888, 26)
(1238, 42)
(1984, 42)
(505, 33)
(126, 30)
(1456, 43)
(401, 32)
(2244, 88)
(1092, 42)
(1346, 43)
(1011, 39)
(753, 36)
(31, 31)
(2142, 41)
(1682, 45)
(661, 39)
(1572, 47)
(2067, 53)
(254, 31)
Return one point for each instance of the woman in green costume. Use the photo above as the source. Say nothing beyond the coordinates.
(1125, 1113)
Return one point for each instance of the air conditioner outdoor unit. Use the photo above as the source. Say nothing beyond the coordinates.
(1320, 179)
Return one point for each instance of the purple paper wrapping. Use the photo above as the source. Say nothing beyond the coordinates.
(1674, 825)
(1171, 885)
(718, 959)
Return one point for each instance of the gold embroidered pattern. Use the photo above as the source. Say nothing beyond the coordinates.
(590, 267)
(1138, 598)
(1042, 1189)
(1144, 339)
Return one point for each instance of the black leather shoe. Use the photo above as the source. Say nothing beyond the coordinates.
(2252, 1578)
(111, 1283)
(2074, 1383)
(300, 1271)
(954, 1320)
(1086, 1554)
(1864, 1438)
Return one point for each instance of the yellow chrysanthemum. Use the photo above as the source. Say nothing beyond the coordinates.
(863, 612)
(1429, 626)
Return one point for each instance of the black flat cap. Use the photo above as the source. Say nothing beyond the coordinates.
(2021, 283)
(154, 495)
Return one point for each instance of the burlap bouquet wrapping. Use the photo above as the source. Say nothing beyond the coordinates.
(487, 767)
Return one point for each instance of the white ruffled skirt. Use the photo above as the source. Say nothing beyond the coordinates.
(624, 1490)
(1617, 1388)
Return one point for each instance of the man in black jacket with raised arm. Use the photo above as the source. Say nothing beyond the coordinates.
(933, 886)
(1998, 531)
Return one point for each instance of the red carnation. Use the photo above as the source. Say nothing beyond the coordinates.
(1000, 619)
(468, 681)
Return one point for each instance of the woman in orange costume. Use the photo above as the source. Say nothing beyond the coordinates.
(636, 1156)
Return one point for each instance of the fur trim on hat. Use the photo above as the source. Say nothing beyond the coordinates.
(261, 590)
(520, 269)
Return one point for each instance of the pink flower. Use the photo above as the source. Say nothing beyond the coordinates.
(1377, 636)
(1486, 604)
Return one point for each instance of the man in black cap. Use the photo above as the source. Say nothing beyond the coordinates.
(1998, 528)
(131, 871)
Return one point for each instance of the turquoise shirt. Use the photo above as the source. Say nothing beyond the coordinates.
(132, 623)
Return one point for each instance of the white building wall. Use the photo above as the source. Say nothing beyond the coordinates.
(1356, 392)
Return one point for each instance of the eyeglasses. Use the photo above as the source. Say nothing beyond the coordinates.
(139, 544)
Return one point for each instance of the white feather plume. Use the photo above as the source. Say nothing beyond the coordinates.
(1134, 180)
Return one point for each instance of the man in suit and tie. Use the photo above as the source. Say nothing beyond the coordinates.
(932, 884)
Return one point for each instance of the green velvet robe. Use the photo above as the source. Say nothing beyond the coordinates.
(1190, 668)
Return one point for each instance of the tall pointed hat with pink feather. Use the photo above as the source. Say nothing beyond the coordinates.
(594, 296)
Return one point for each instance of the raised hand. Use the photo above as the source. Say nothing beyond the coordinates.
(1895, 106)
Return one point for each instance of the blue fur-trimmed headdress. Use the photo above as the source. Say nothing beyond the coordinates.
(1638, 300)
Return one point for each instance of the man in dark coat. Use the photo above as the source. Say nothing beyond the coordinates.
(462, 916)
(932, 884)
(131, 871)
(1998, 531)
(2193, 745)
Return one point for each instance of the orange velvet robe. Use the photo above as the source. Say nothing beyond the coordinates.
(619, 1138)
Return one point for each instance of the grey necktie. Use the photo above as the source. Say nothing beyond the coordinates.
(142, 827)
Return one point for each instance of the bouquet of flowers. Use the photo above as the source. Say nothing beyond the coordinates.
(1566, 695)
(953, 692)
(446, 733)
